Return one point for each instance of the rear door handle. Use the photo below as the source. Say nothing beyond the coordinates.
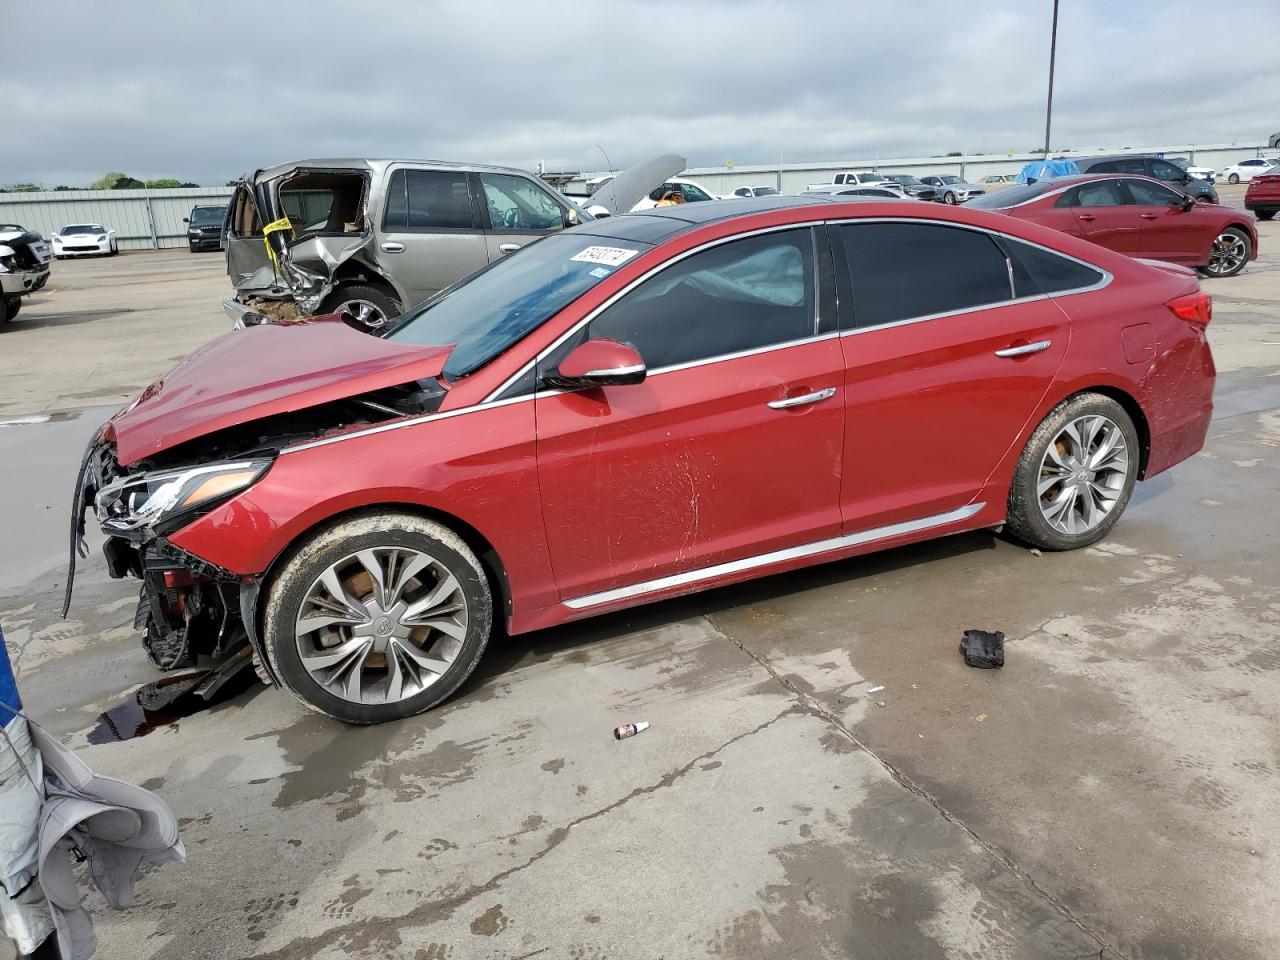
(392, 246)
(508, 247)
(803, 400)
(1023, 349)
(1087, 217)
(1147, 216)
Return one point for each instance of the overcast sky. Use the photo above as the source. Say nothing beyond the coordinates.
(204, 91)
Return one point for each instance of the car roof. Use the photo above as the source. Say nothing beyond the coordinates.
(661, 223)
(373, 165)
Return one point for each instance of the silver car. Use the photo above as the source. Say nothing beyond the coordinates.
(951, 189)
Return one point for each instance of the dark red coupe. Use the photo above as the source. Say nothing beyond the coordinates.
(1135, 215)
(640, 407)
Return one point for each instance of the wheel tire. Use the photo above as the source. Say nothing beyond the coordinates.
(12, 305)
(1025, 518)
(1234, 178)
(1265, 214)
(313, 557)
(378, 300)
(4, 311)
(949, 197)
(1243, 237)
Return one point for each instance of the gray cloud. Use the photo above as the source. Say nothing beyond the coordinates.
(203, 92)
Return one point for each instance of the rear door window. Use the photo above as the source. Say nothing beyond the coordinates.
(737, 296)
(905, 271)
(428, 201)
(1104, 193)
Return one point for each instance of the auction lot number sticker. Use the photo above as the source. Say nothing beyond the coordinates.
(609, 256)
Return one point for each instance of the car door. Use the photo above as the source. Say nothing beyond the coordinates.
(945, 366)
(430, 235)
(1098, 212)
(1169, 232)
(516, 211)
(729, 449)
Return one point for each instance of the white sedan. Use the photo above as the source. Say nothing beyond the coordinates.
(1244, 171)
(691, 190)
(84, 239)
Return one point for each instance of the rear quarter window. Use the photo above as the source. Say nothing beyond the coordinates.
(1037, 271)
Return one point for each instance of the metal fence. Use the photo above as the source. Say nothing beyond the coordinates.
(142, 219)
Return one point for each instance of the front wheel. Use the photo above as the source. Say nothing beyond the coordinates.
(10, 308)
(949, 197)
(1076, 474)
(378, 618)
(369, 307)
(1234, 178)
(1229, 254)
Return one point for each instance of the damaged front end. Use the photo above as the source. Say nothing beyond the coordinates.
(147, 473)
(293, 230)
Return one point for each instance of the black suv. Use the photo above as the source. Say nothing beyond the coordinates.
(1149, 165)
(204, 228)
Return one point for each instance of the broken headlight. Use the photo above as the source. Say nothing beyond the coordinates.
(168, 498)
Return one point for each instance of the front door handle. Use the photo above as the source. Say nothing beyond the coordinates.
(804, 399)
(508, 247)
(392, 246)
(1023, 349)
(1147, 216)
(1088, 217)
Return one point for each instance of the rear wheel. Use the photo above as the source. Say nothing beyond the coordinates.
(1076, 474)
(370, 307)
(378, 618)
(1229, 254)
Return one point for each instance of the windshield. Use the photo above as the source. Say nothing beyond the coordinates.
(11, 228)
(207, 216)
(765, 191)
(905, 179)
(870, 177)
(495, 308)
(1010, 196)
(950, 179)
(80, 228)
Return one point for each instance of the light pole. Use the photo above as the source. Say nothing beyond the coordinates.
(1053, 52)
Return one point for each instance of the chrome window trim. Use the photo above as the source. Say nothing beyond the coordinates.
(1106, 279)
(654, 271)
(776, 556)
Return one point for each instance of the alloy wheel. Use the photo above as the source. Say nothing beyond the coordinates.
(1083, 474)
(364, 313)
(381, 625)
(1228, 255)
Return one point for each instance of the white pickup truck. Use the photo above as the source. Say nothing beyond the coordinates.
(24, 267)
(858, 178)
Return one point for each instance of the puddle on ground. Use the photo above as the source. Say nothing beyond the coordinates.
(159, 704)
(60, 416)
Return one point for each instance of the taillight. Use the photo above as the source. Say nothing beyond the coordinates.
(1194, 308)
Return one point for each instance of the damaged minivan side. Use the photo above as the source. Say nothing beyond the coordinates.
(370, 238)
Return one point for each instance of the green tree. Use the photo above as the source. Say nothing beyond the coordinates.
(107, 181)
(128, 183)
(22, 188)
(164, 183)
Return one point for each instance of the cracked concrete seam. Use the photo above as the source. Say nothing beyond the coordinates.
(809, 705)
(424, 912)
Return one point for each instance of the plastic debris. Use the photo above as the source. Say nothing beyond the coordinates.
(982, 649)
(630, 729)
(1035, 551)
(879, 703)
(875, 689)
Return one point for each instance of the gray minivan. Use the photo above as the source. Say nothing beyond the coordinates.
(373, 237)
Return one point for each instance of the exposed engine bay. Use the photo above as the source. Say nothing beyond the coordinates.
(191, 612)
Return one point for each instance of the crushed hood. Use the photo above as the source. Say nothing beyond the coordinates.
(261, 371)
(635, 183)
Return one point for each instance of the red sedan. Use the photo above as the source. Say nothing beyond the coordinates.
(1138, 216)
(1263, 195)
(638, 408)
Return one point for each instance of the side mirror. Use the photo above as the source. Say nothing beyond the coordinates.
(186, 219)
(571, 218)
(1188, 204)
(599, 363)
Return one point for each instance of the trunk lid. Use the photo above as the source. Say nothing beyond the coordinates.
(261, 371)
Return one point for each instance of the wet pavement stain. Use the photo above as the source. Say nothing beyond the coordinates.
(160, 704)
